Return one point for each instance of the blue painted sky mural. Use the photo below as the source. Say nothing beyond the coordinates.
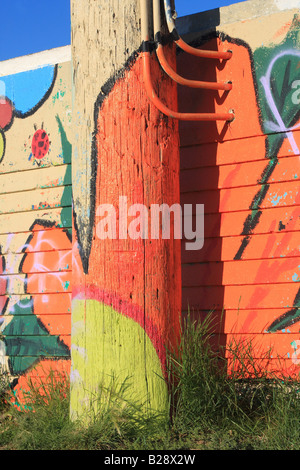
(28, 89)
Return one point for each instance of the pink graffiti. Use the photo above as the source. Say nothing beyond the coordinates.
(46, 271)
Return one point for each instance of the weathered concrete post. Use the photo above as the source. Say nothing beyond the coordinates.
(126, 282)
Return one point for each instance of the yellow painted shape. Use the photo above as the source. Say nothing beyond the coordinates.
(48, 177)
(21, 221)
(107, 344)
(37, 199)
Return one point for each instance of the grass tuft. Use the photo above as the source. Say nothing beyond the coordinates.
(221, 397)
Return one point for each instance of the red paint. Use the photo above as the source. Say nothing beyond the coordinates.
(6, 112)
(40, 144)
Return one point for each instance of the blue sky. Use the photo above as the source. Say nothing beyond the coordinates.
(29, 26)
(189, 7)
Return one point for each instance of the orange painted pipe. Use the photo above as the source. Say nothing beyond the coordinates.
(185, 82)
(174, 114)
(226, 55)
(145, 17)
(181, 43)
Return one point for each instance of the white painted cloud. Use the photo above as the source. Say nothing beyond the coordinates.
(287, 4)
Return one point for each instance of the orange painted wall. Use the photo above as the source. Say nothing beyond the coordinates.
(246, 173)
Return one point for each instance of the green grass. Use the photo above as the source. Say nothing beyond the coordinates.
(209, 407)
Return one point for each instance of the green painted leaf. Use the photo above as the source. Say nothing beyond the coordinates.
(278, 79)
(27, 339)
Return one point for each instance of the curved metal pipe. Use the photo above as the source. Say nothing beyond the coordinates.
(166, 66)
(174, 114)
(148, 82)
(186, 47)
(227, 86)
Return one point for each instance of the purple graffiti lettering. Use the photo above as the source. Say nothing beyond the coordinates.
(266, 83)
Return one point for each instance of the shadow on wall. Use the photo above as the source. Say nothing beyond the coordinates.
(202, 270)
(247, 176)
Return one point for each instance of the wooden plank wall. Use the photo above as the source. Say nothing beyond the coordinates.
(246, 174)
(35, 222)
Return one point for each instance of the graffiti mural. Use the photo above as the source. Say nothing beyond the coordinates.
(125, 305)
(247, 175)
(281, 113)
(35, 224)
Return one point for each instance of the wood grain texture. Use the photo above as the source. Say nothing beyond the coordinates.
(104, 37)
(124, 304)
(45, 177)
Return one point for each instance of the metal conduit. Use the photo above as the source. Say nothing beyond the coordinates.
(145, 37)
(166, 66)
(186, 47)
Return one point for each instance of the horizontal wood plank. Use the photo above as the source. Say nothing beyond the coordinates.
(23, 221)
(264, 346)
(42, 304)
(281, 345)
(47, 283)
(230, 152)
(36, 200)
(39, 178)
(239, 297)
(254, 321)
(241, 272)
(30, 263)
(238, 175)
(58, 324)
(44, 369)
(10, 164)
(269, 245)
(240, 199)
(275, 219)
(51, 239)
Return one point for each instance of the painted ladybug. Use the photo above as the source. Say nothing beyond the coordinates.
(40, 144)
